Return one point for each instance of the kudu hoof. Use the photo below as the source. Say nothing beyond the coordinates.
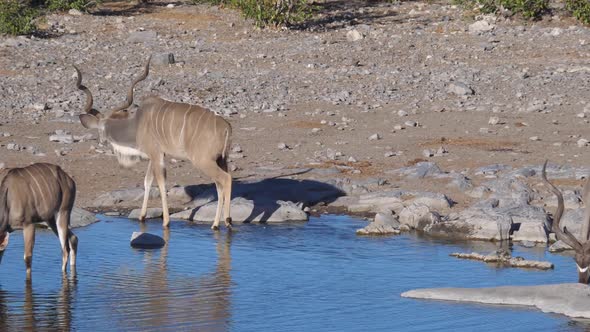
(215, 228)
(228, 223)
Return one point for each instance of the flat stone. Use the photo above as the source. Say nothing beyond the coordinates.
(518, 262)
(142, 240)
(151, 213)
(567, 299)
(246, 211)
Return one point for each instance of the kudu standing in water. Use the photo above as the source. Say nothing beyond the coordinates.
(582, 248)
(158, 128)
(33, 194)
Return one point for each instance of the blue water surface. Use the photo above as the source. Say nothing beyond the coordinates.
(315, 276)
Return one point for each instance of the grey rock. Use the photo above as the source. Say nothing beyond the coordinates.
(418, 171)
(163, 59)
(559, 246)
(385, 223)
(492, 169)
(568, 299)
(142, 36)
(480, 26)
(354, 35)
(75, 12)
(245, 211)
(459, 89)
(151, 213)
(418, 216)
(81, 218)
(142, 240)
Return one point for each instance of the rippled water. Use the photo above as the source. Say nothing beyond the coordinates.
(317, 276)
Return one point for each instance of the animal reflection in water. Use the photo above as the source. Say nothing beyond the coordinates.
(40, 311)
(179, 301)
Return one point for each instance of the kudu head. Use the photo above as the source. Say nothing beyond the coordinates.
(582, 249)
(92, 118)
(3, 243)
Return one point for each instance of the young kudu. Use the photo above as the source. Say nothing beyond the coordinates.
(33, 194)
(158, 128)
(582, 248)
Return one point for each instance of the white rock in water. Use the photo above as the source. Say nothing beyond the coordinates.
(151, 213)
(568, 299)
(146, 241)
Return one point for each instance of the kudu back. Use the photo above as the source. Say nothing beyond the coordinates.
(159, 128)
(33, 194)
(581, 245)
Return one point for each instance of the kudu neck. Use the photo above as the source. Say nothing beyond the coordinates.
(122, 131)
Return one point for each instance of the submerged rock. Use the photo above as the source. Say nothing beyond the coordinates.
(146, 241)
(568, 299)
(506, 260)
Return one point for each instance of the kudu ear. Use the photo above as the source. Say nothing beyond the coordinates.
(89, 121)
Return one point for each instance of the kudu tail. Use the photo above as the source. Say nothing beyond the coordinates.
(225, 152)
(4, 213)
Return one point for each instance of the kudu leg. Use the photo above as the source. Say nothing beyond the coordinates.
(73, 241)
(220, 197)
(227, 188)
(149, 179)
(222, 181)
(62, 221)
(159, 173)
(29, 238)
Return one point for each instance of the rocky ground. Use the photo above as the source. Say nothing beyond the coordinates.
(410, 107)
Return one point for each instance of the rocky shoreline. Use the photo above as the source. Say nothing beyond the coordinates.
(507, 204)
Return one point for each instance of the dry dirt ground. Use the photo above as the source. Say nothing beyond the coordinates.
(533, 76)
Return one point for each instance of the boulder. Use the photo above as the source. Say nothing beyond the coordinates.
(151, 213)
(244, 211)
(568, 299)
(146, 241)
(418, 216)
(385, 223)
(81, 218)
(559, 246)
(396, 200)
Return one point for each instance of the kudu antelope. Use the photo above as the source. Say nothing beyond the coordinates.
(158, 128)
(582, 248)
(33, 194)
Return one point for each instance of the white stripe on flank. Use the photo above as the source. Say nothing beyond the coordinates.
(201, 131)
(38, 186)
(52, 171)
(197, 126)
(155, 123)
(48, 192)
(182, 130)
